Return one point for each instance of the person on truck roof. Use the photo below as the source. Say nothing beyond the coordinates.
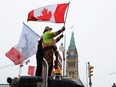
(46, 48)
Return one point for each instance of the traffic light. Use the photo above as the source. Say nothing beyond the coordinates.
(90, 70)
(114, 85)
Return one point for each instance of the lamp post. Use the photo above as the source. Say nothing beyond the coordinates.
(61, 48)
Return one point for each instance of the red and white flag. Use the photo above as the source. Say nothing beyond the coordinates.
(51, 13)
(26, 47)
(59, 61)
(31, 70)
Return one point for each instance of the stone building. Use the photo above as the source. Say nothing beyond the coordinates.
(72, 60)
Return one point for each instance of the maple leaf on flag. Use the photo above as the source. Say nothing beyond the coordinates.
(46, 15)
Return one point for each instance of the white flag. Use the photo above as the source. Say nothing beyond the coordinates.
(26, 47)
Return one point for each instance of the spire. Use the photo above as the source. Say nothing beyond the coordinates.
(72, 42)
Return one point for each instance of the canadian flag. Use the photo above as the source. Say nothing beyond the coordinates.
(26, 47)
(51, 13)
(31, 70)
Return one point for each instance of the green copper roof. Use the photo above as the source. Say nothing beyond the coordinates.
(72, 42)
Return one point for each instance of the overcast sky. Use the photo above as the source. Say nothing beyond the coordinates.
(94, 27)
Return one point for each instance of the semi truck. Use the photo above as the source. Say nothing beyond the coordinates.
(56, 80)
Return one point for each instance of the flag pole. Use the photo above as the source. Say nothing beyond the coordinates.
(29, 28)
(66, 14)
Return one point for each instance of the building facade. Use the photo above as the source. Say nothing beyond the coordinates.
(72, 60)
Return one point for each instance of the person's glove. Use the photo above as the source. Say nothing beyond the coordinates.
(63, 29)
(62, 36)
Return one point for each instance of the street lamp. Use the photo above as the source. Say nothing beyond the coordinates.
(62, 49)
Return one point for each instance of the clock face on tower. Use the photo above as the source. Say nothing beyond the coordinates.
(71, 53)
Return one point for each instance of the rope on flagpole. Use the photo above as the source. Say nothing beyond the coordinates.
(10, 65)
(7, 66)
